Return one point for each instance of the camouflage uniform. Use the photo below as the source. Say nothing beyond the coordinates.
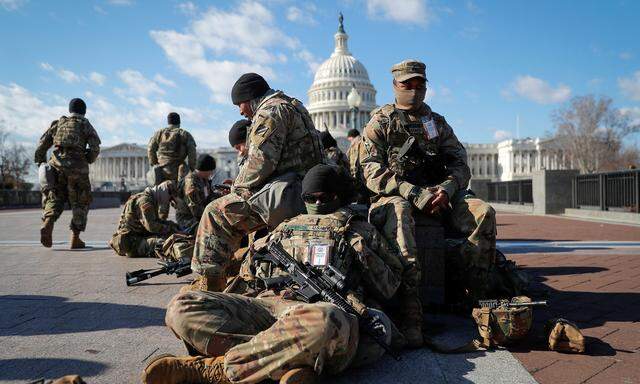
(76, 146)
(194, 194)
(282, 143)
(336, 157)
(140, 230)
(264, 337)
(168, 148)
(355, 169)
(395, 183)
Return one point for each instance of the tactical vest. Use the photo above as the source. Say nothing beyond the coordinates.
(70, 134)
(171, 145)
(302, 147)
(318, 240)
(420, 162)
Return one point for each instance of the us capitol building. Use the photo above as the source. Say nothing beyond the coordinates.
(341, 97)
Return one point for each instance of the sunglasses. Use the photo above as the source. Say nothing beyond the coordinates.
(323, 198)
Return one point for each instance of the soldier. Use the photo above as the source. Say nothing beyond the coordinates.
(282, 145)
(412, 161)
(194, 193)
(76, 145)
(141, 231)
(334, 155)
(238, 137)
(169, 147)
(356, 144)
(274, 335)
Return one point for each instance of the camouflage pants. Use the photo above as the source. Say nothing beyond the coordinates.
(170, 171)
(471, 217)
(71, 186)
(223, 224)
(262, 338)
(131, 245)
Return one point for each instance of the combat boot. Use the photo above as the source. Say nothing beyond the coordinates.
(411, 323)
(299, 376)
(168, 369)
(46, 232)
(76, 243)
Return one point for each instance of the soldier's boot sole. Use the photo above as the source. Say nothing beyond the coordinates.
(46, 234)
(299, 376)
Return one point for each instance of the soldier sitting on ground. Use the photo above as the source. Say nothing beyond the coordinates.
(413, 162)
(272, 334)
(238, 138)
(76, 146)
(141, 231)
(194, 193)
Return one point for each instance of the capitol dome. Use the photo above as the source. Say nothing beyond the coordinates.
(332, 85)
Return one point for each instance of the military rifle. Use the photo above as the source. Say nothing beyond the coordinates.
(179, 268)
(312, 284)
(493, 304)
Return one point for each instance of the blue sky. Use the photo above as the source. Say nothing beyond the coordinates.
(133, 61)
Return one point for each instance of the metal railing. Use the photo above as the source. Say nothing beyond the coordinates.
(511, 192)
(615, 191)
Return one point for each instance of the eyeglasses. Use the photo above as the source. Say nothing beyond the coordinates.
(322, 198)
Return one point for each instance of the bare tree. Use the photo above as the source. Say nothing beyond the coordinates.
(590, 132)
(15, 163)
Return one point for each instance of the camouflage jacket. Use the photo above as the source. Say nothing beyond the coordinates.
(345, 240)
(355, 169)
(281, 139)
(76, 144)
(140, 217)
(194, 194)
(172, 145)
(336, 157)
(385, 135)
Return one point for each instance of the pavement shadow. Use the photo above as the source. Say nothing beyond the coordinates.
(28, 315)
(35, 368)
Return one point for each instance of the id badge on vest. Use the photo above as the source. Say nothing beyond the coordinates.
(319, 253)
(429, 128)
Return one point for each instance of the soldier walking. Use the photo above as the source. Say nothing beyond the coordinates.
(76, 145)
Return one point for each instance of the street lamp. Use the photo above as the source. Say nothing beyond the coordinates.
(354, 99)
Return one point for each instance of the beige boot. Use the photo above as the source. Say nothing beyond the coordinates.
(76, 243)
(411, 323)
(46, 232)
(168, 369)
(299, 376)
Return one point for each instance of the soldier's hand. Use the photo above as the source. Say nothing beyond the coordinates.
(440, 202)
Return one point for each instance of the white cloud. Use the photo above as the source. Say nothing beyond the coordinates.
(24, 113)
(219, 46)
(164, 81)
(473, 7)
(12, 5)
(625, 55)
(312, 61)
(302, 16)
(500, 135)
(630, 86)
(64, 74)
(137, 84)
(405, 11)
(100, 10)
(633, 113)
(125, 3)
(97, 78)
(538, 90)
(188, 8)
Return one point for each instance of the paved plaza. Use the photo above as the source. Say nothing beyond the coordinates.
(65, 311)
